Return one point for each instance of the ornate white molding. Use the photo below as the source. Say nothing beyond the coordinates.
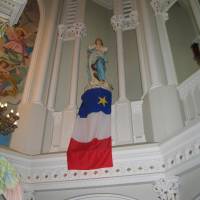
(29, 195)
(189, 94)
(61, 31)
(11, 10)
(77, 30)
(182, 152)
(161, 7)
(125, 23)
(167, 188)
(132, 164)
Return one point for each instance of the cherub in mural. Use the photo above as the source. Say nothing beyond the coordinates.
(14, 59)
(15, 45)
(8, 85)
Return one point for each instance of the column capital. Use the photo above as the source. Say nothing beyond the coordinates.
(61, 31)
(77, 30)
(125, 23)
(161, 7)
(167, 188)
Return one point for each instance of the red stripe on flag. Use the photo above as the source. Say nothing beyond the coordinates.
(92, 155)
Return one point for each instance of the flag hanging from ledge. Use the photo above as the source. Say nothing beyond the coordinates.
(91, 146)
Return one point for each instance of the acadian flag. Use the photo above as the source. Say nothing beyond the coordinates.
(91, 146)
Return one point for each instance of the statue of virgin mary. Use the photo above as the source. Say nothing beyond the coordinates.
(97, 64)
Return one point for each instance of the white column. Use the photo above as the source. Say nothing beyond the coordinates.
(69, 114)
(195, 5)
(28, 137)
(35, 55)
(117, 23)
(124, 129)
(56, 66)
(167, 188)
(143, 57)
(38, 89)
(74, 77)
(157, 72)
(166, 49)
(162, 107)
(121, 71)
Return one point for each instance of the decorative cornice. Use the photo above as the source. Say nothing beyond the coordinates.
(125, 23)
(77, 30)
(132, 164)
(167, 188)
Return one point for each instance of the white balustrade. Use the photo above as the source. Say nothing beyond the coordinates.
(189, 92)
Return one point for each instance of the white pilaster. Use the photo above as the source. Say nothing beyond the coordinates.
(195, 5)
(56, 65)
(166, 49)
(143, 57)
(167, 188)
(75, 32)
(28, 137)
(158, 77)
(74, 77)
(117, 26)
(39, 83)
(163, 115)
(124, 130)
(35, 55)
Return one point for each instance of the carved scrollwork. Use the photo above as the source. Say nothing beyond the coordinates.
(161, 7)
(167, 188)
(125, 23)
(77, 30)
(29, 195)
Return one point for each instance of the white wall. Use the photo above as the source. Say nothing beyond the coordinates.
(190, 185)
(181, 33)
(132, 66)
(139, 192)
(63, 87)
(97, 19)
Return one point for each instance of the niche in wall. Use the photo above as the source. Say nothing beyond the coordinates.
(98, 23)
(132, 66)
(182, 31)
(97, 20)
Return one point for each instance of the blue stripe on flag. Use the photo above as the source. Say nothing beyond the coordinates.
(95, 100)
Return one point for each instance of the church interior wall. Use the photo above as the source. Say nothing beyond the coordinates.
(97, 19)
(182, 32)
(63, 87)
(139, 192)
(189, 185)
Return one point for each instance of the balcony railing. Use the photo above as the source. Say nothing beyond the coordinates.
(189, 92)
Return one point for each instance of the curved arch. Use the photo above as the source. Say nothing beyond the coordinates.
(102, 197)
(186, 5)
(29, 78)
(197, 197)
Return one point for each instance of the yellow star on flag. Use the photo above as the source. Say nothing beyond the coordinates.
(102, 100)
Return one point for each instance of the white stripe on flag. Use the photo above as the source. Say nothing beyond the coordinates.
(96, 125)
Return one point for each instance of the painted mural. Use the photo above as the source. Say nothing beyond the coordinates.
(16, 47)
